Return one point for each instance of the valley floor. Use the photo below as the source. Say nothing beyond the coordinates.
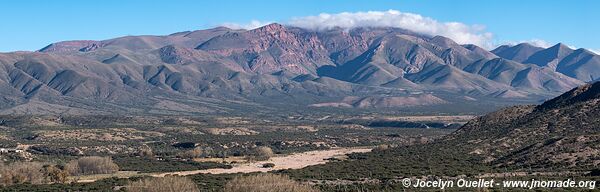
(281, 162)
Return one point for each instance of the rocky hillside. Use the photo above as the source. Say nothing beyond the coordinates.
(564, 131)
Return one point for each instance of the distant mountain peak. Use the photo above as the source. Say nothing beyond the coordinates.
(68, 46)
(221, 28)
(560, 46)
(551, 56)
(519, 52)
(273, 27)
(524, 44)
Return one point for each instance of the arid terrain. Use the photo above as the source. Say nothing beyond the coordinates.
(158, 146)
(280, 162)
(299, 96)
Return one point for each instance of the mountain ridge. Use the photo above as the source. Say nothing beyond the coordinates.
(274, 61)
(580, 64)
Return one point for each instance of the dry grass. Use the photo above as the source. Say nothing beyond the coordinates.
(266, 183)
(163, 184)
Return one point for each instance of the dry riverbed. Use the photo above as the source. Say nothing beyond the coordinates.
(290, 161)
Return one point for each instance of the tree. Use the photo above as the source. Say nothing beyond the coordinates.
(92, 165)
(22, 172)
(56, 174)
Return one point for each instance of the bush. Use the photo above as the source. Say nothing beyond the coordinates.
(381, 147)
(263, 153)
(22, 172)
(92, 165)
(268, 165)
(190, 154)
(56, 174)
(31, 172)
(266, 183)
(163, 184)
(145, 151)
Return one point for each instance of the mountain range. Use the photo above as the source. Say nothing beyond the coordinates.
(220, 70)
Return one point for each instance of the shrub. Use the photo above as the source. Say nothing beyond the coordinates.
(92, 165)
(145, 151)
(263, 153)
(163, 184)
(266, 183)
(56, 174)
(268, 165)
(194, 153)
(30, 172)
(381, 147)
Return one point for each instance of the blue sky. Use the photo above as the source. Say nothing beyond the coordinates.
(32, 24)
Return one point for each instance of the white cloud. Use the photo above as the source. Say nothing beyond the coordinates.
(251, 25)
(596, 51)
(459, 32)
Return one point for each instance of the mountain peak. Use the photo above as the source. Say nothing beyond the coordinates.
(67, 46)
(221, 28)
(560, 50)
(271, 27)
(526, 45)
(561, 46)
